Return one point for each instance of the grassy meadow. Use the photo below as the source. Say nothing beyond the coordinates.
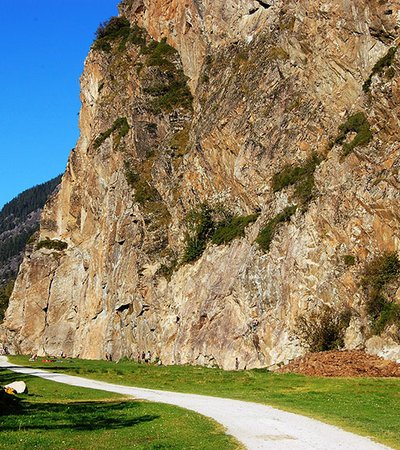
(57, 416)
(366, 406)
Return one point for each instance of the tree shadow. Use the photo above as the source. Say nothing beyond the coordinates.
(18, 412)
(78, 416)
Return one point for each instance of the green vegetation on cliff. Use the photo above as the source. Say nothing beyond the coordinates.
(52, 244)
(172, 90)
(159, 54)
(200, 227)
(357, 123)
(267, 233)
(120, 126)
(232, 228)
(385, 62)
(144, 192)
(155, 211)
(349, 260)
(116, 28)
(302, 177)
(205, 224)
(378, 276)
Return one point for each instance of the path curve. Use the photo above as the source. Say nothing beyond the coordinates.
(256, 426)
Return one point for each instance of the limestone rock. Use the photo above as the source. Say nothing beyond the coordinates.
(385, 348)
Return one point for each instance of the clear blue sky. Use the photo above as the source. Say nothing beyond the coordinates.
(43, 45)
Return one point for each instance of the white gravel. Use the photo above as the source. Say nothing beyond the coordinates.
(256, 426)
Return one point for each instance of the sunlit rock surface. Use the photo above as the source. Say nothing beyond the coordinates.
(271, 84)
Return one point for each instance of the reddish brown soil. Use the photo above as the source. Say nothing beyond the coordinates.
(352, 363)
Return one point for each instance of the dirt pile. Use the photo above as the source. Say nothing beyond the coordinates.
(342, 364)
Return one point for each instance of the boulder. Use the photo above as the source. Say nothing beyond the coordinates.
(18, 386)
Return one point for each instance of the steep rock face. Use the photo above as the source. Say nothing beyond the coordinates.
(271, 84)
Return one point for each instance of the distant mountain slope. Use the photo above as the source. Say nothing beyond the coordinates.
(18, 209)
(19, 219)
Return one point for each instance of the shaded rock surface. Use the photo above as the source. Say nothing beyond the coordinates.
(269, 88)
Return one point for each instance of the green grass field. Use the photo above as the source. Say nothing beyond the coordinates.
(57, 416)
(366, 406)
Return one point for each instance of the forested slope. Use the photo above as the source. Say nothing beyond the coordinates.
(19, 219)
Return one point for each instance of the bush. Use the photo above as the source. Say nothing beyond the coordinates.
(301, 176)
(390, 73)
(111, 30)
(112, 27)
(323, 330)
(266, 235)
(381, 271)
(217, 225)
(174, 92)
(131, 176)
(200, 227)
(120, 124)
(349, 260)
(389, 315)
(287, 177)
(277, 53)
(137, 36)
(179, 142)
(385, 61)
(378, 274)
(158, 53)
(356, 123)
(228, 230)
(52, 244)
(144, 192)
(119, 29)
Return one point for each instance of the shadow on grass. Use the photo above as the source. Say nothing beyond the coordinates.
(78, 416)
(18, 412)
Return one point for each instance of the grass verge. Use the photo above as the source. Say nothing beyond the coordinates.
(366, 406)
(55, 415)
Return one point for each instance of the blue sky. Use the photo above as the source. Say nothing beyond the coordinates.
(43, 46)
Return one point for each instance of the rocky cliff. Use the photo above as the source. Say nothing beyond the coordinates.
(234, 191)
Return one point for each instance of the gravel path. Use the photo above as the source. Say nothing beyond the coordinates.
(256, 426)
